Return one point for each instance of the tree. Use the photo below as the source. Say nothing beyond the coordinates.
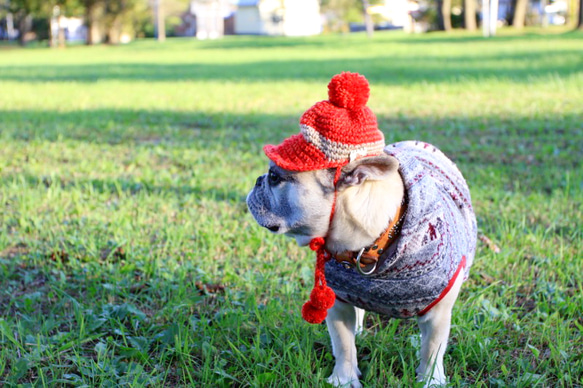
(109, 19)
(519, 13)
(92, 10)
(367, 18)
(120, 16)
(342, 12)
(23, 10)
(4, 8)
(470, 15)
(580, 15)
(444, 15)
(446, 12)
(339, 13)
(160, 21)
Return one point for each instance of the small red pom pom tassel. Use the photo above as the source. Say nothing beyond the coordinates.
(322, 297)
(312, 314)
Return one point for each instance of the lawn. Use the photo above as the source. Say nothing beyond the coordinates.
(128, 257)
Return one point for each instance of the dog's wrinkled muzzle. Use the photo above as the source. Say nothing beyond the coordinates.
(258, 205)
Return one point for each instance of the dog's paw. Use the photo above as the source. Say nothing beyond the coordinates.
(432, 378)
(345, 379)
(433, 382)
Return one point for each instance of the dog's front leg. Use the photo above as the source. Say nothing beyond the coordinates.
(342, 322)
(359, 326)
(434, 328)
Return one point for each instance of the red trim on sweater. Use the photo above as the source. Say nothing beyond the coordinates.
(446, 290)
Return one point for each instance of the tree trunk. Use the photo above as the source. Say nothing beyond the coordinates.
(544, 17)
(160, 22)
(90, 22)
(94, 21)
(52, 36)
(440, 21)
(114, 31)
(509, 17)
(580, 14)
(446, 14)
(61, 38)
(470, 15)
(519, 13)
(367, 19)
(89, 41)
(24, 25)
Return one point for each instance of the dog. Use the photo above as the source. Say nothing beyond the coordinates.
(397, 224)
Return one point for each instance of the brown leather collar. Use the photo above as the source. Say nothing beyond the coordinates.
(366, 260)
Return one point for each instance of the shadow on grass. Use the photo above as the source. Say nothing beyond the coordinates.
(380, 69)
(440, 37)
(537, 152)
(128, 187)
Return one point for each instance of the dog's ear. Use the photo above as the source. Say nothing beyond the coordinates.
(368, 169)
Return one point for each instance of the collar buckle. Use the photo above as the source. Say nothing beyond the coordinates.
(360, 267)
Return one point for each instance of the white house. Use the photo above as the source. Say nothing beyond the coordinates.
(278, 17)
(209, 20)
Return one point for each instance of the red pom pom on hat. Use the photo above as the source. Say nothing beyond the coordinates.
(348, 90)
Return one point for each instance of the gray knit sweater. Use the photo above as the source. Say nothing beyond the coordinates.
(437, 237)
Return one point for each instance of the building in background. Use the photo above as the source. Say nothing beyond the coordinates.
(278, 17)
(210, 18)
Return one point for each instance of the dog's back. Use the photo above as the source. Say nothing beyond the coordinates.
(437, 241)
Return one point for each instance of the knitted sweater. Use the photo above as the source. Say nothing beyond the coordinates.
(437, 240)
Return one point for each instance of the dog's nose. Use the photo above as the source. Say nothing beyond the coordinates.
(258, 181)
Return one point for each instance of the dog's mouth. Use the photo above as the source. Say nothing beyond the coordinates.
(273, 228)
(301, 238)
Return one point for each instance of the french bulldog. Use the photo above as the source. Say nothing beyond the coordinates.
(410, 185)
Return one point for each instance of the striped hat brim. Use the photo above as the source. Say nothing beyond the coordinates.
(296, 154)
(308, 151)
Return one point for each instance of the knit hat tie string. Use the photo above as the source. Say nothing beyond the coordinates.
(322, 297)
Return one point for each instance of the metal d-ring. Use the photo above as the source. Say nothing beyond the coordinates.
(367, 273)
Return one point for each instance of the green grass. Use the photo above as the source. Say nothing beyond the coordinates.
(127, 255)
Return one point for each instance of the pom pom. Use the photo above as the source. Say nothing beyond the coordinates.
(348, 90)
(313, 315)
(322, 297)
(317, 243)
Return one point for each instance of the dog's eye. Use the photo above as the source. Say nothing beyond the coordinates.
(273, 178)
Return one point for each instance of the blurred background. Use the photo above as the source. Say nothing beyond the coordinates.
(61, 22)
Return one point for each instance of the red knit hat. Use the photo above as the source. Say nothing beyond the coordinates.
(333, 132)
